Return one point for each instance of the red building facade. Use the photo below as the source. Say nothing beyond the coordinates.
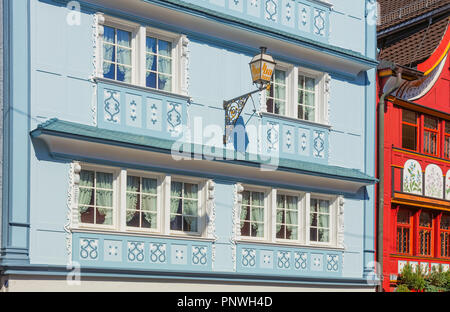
(414, 85)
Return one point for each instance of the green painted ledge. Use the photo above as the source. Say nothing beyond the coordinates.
(60, 128)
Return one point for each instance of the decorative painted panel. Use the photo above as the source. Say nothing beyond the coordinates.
(319, 144)
(111, 106)
(290, 261)
(319, 22)
(145, 112)
(447, 185)
(134, 110)
(412, 177)
(288, 13)
(298, 17)
(154, 114)
(434, 181)
(135, 252)
(112, 251)
(295, 140)
(89, 249)
(158, 252)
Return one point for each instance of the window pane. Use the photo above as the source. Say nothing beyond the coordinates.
(176, 223)
(324, 235)
(149, 203)
(245, 213)
(425, 219)
(190, 190)
(165, 48)
(151, 62)
(133, 184)
(109, 70)
(445, 222)
(403, 217)
(104, 198)
(132, 201)
(301, 82)
(257, 214)
(309, 99)
(164, 65)
(447, 127)
(291, 232)
(124, 74)
(86, 178)
(87, 215)
(123, 38)
(324, 206)
(124, 56)
(280, 76)
(109, 34)
(409, 116)
(310, 113)
(190, 207)
(257, 199)
(280, 107)
(176, 189)
(149, 186)
(430, 123)
(313, 234)
(151, 45)
(104, 180)
(109, 52)
(324, 221)
(313, 219)
(176, 205)
(151, 80)
(310, 84)
(409, 137)
(313, 205)
(190, 224)
(246, 198)
(86, 197)
(164, 82)
(280, 92)
(104, 216)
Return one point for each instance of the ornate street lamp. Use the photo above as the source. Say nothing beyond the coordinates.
(262, 67)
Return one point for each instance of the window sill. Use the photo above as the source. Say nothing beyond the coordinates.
(140, 234)
(141, 88)
(296, 120)
(284, 244)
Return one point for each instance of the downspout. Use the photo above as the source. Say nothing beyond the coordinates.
(380, 226)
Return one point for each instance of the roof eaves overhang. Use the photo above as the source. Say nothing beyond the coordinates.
(199, 22)
(80, 142)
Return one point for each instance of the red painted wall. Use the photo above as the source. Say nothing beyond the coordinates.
(437, 98)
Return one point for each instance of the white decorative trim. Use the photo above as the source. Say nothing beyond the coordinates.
(341, 225)
(237, 195)
(211, 213)
(72, 203)
(97, 34)
(94, 104)
(184, 72)
(262, 102)
(327, 99)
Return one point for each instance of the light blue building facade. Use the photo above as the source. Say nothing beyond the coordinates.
(115, 171)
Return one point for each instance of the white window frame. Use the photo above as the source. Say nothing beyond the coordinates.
(115, 218)
(139, 35)
(333, 219)
(301, 215)
(176, 40)
(201, 205)
(267, 200)
(292, 73)
(133, 28)
(142, 174)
